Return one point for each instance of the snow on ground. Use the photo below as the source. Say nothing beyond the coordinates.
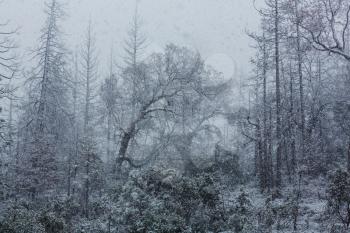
(311, 206)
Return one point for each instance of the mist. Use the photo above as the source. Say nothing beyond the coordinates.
(164, 116)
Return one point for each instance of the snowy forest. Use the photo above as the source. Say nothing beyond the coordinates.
(161, 142)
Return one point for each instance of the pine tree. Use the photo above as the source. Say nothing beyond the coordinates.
(46, 109)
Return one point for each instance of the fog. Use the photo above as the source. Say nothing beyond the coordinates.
(174, 116)
(216, 28)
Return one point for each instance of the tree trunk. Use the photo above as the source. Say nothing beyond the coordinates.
(278, 98)
(87, 186)
(109, 128)
(292, 125)
(124, 145)
(301, 80)
(266, 154)
(348, 157)
(270, 148)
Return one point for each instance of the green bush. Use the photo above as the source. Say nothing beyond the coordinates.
(161, 202)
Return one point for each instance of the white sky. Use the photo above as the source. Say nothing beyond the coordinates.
(216, 28)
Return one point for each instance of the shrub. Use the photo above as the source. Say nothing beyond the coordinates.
(242, 213)
(21, 220)
(338, 199)
(161, 202)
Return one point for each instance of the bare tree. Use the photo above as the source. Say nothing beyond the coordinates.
(109, 95)
(135, 45)
(327, 27)
(73, 155)
(47, 116)
(89, 74)
(88, 147)
(298, 21)
(276, 15)
(272, 18)
(261, 63)
(8, 67)
(327, 24)
(159, 88)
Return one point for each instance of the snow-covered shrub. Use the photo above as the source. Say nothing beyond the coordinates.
(52, 223)
(242, 215)
(161, 202)
(89, 226)
(19, 219)
(266, 216)
(338, 200)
